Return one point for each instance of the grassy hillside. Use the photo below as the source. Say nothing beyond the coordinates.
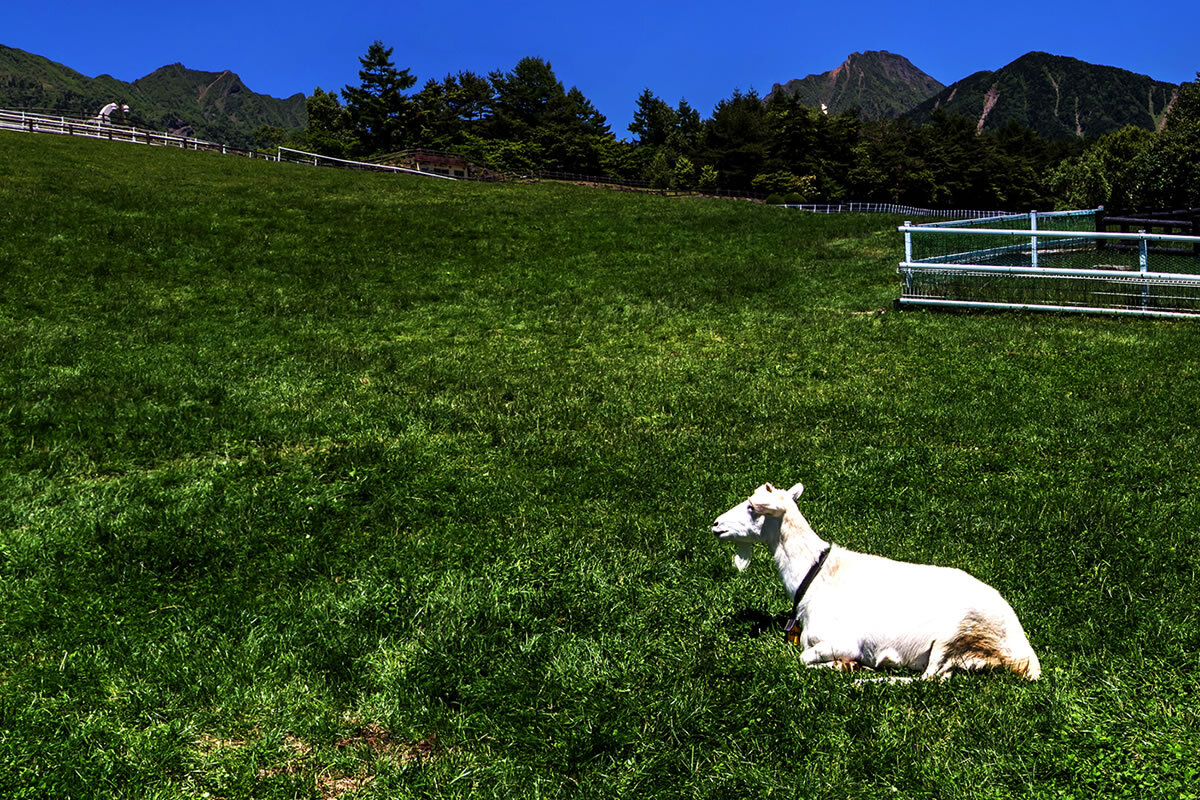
(316, 482)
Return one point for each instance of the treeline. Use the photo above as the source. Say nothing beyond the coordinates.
(525, 120)
(783, 147)
(517, 121)
(1138, 170)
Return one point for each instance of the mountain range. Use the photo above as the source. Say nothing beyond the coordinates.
(216, 106)
(878, 83)
(1056, 96)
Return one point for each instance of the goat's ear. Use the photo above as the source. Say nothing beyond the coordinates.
(741, 558)
(768, 501)
(796, 491)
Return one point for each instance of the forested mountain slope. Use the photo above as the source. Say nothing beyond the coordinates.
(879, 84)
(1056, 96)
(210, 105)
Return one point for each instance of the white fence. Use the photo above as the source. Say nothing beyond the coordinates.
(93, 128)
(96, 129)
(890, 208)
(316, 160)
(1048, 262)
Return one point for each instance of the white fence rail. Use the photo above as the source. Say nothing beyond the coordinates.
(968, 265)
(316, 160)
(892, 208)
(94, 128)
(97, 129)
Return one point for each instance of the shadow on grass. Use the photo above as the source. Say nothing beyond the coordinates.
(754, 622)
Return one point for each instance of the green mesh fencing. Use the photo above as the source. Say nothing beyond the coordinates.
(1053, 261)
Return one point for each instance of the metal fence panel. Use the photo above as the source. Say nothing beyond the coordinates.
(1054, 261)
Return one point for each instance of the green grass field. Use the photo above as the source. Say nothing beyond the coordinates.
(329, 484)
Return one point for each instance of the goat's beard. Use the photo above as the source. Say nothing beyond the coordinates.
(741, 558)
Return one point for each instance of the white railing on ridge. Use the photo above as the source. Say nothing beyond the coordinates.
(316, 159)
(891, 208)
(94, 128)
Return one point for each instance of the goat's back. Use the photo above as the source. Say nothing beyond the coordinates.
(907, 606)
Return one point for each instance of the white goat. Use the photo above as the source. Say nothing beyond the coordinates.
(105, 115)
(860, 610)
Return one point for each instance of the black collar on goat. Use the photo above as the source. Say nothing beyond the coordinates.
(789, 630)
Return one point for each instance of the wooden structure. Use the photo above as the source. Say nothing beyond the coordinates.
(1185, 222)
(439, 162)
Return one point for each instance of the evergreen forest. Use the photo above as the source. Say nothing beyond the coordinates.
(526, 121)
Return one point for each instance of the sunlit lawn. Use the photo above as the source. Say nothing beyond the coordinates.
(321, 484)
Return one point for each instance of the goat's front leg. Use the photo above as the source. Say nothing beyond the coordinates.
(843, 655)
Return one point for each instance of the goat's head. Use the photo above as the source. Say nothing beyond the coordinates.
(755, 519)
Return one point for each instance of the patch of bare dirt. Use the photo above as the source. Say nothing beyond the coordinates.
(331, 787)
(373, 738)
(208, 743)
(989, 102)
(383, 745)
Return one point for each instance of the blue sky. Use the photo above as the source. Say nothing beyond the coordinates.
(699, 50)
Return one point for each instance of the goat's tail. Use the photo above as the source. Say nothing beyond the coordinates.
(982, 642)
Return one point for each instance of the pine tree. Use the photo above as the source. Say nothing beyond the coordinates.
(563, 127)
(383, 117)
(653, 120)
(735, 139)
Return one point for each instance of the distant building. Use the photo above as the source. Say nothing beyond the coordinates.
(438, 162)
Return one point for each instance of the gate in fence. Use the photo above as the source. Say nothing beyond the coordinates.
(1050, 261)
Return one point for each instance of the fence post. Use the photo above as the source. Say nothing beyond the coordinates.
(1143, 267)
(908, 273)
(1033, 253)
